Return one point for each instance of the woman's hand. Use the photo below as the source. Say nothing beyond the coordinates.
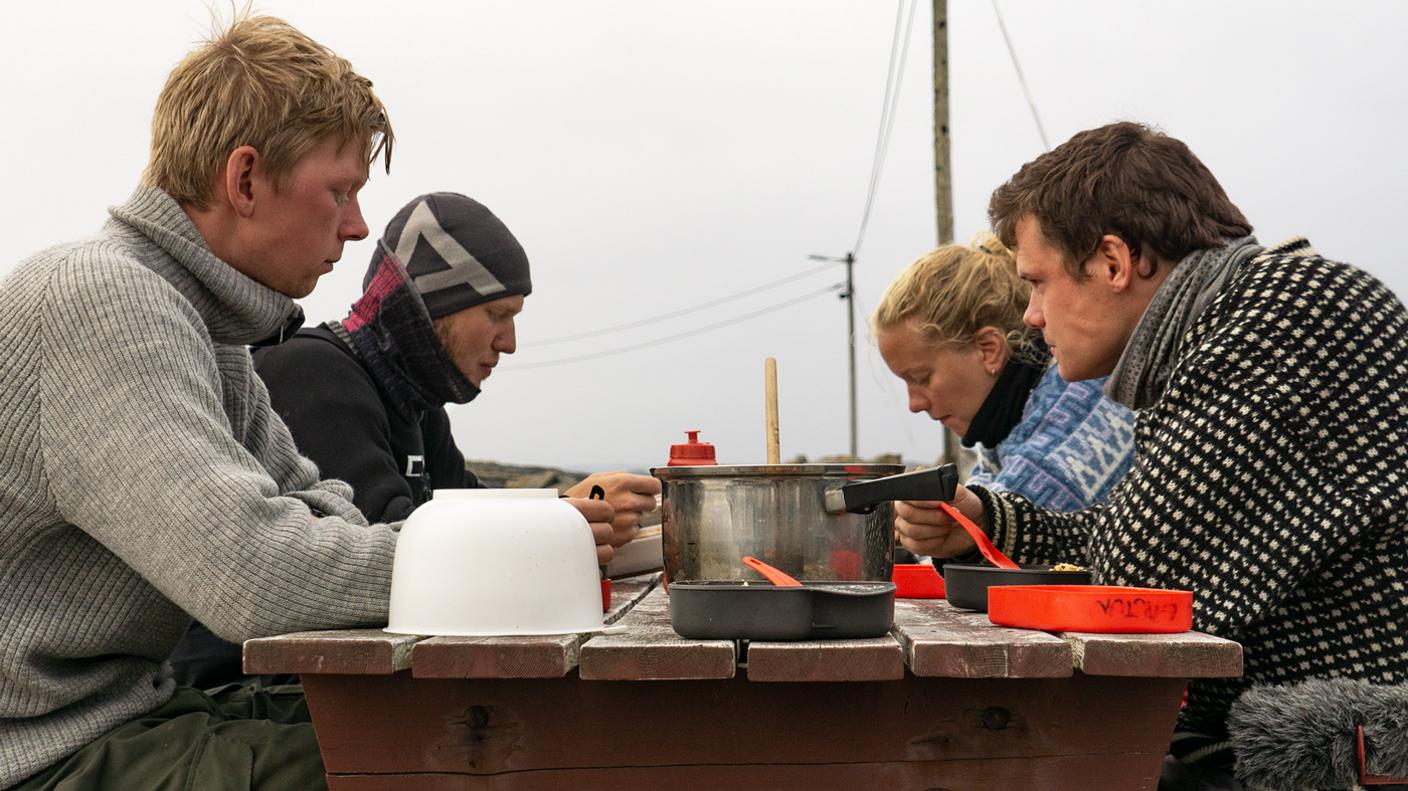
(925, 530)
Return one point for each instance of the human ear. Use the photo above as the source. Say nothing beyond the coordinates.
(991, 344)
(240, 172)
(1115, 262)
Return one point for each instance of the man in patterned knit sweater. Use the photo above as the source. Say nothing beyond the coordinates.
(144, 478)
(1271, 437)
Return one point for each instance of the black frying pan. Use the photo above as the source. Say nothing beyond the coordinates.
(733, 610)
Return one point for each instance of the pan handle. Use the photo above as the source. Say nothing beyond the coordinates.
(860, 497)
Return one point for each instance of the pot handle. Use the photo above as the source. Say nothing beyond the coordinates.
(860, 497)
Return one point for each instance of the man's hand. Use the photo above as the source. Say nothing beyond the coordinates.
(925, 530)
(632, 496)
(599, 514)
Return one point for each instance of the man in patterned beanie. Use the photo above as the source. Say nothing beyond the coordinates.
(365, 397)
(1270, 386)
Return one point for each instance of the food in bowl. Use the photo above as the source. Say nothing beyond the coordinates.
(967, 585)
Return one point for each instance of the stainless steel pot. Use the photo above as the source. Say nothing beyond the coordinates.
(813, 521)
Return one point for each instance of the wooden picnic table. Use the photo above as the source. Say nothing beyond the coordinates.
(946, 701)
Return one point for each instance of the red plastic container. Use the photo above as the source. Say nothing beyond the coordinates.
(1091, 608)
(691, 453)
(917, 581)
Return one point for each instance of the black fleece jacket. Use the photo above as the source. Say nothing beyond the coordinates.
(393, 455)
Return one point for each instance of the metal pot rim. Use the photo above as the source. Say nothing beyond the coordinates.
(843, 471)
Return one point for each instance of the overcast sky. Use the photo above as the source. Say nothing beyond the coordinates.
(652, 156)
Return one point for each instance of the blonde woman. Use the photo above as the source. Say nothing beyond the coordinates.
(950, 326)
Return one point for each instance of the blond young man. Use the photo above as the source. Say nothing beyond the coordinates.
(144, 480)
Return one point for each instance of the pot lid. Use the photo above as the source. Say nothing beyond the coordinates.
(845, 471)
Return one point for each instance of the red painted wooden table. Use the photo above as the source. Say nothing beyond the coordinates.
(946, 701)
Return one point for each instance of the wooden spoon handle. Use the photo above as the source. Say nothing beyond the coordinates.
(770, 397)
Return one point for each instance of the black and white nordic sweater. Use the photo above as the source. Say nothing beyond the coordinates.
(1269, 479)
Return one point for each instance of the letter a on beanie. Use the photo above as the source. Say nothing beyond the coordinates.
(457, 253)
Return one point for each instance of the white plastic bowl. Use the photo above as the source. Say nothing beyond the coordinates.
(485, 562)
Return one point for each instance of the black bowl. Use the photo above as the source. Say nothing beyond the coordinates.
(968, 585)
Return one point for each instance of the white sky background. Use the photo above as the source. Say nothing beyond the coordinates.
(654, 155)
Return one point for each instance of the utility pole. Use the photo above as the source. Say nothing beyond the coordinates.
(943, 171)
(943, 163)
(848, 294)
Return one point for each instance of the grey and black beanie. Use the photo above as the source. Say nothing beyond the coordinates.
(456, 251)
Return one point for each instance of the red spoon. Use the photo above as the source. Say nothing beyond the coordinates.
(775, 576)
(985, 545)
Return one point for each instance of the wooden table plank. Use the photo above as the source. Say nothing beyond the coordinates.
(368, 651)
(1124, 771)
(526, 656)
(946, 732)
(651, 651)
(1186, 655)
(940, 640)
(536, 656)
(627, 593)
(880, 659)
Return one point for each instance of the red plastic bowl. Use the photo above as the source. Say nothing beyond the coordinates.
(917, 581)
(1091, 608)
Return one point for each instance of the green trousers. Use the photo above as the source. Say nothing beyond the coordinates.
(231, 738)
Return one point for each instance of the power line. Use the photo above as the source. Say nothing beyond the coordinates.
(894, 78)
(1012, 52)
(676, 313)
(681, 335)
(889, 103)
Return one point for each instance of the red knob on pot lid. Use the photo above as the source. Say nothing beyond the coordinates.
(692, 453)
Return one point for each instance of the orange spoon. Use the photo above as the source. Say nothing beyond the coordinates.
(775, 576)
(985, 545)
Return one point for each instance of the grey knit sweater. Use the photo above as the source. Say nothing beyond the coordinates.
(144, 480)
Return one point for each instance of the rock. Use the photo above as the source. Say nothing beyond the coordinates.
(514, 476)
(883, 458)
